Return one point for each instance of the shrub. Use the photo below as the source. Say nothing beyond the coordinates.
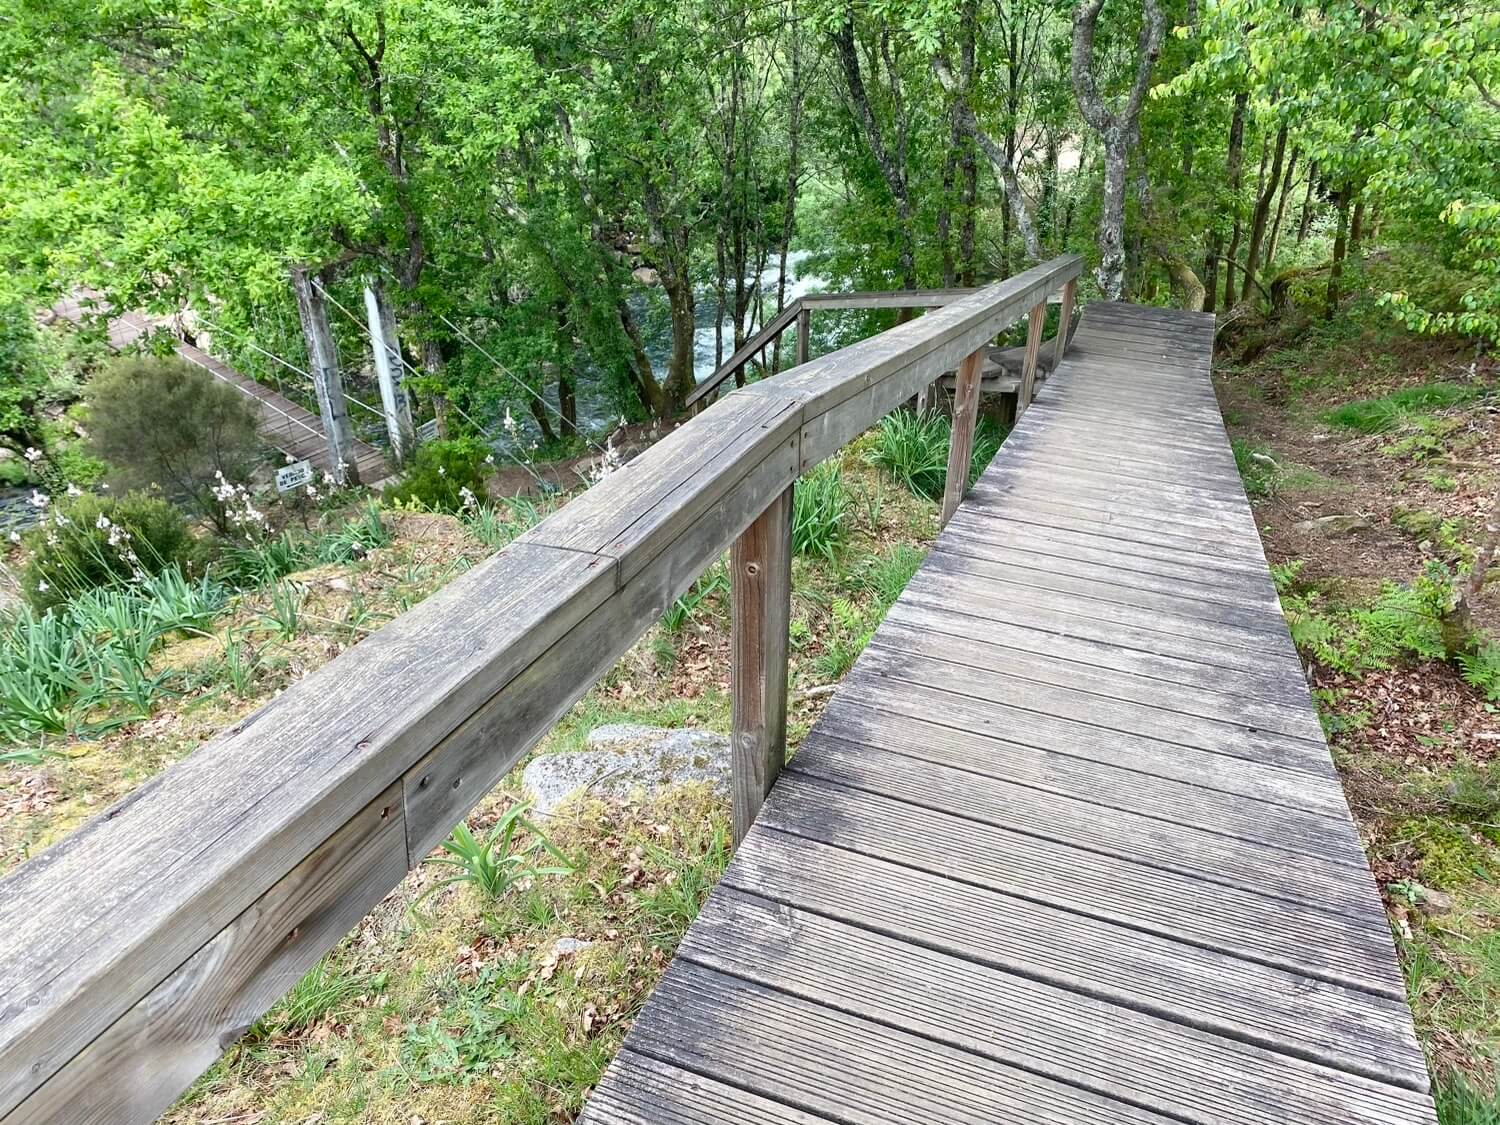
(913, 448)
(166, 423)
(442, 472)
(820, 507)
(95, 541)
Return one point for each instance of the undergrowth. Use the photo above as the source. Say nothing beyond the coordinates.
(913, 448)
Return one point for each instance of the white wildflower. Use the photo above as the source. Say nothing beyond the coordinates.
(489, 458)
(509, 423)
(466, 498)
(38, 499)
(15, 536)
(442, 472)
(42, 587)
(74, 490)
(33, 454)
(102, 523)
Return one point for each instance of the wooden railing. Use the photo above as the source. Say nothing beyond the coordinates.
(800, 310)
(140, 947)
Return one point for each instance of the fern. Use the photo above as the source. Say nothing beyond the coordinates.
(1481, 670)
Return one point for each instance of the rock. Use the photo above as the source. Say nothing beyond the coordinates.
(1334, 525)
(568, 945)
(625, 759)
(1430, 901)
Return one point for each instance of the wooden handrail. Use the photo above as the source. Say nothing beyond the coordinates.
(800, 308)
(140, 947)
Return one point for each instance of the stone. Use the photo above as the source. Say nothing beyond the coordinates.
(1334, 525)
(1432, 901)
(624, 760)
(569, 945)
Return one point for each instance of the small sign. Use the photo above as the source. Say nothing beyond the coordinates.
(294, 475)
(427, 431)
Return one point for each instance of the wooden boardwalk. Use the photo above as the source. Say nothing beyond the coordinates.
(294, 430)
(1067, 845)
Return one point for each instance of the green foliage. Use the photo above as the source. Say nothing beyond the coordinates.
(888, 574)
(671, 905)
(820, 512)
(259, 564)
(494, 863)
(93, 541)
(445, 476)
(470, 1038)
(83, 666)
(846, 639)
(165, 423)
(1392, 411)
(913, 448)
(1481, 669)
(325, 991)
(1461, 1103)
(356, 538)
(681, 611)
(498, 525)
(1401, 622)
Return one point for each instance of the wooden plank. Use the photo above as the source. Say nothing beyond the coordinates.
(889, 699)
(1065, 316)
(1197, 987)
(760, 568)
(945, 637)
(640, 1090)
(826, 1062)
(961, 444)
(1338, 949)
(1027, 390)
(158, 1047)
(1088, 582)
(1101, 1047)
(1295, 868)
(1174, 728)
(1228, 801)
(178, 860)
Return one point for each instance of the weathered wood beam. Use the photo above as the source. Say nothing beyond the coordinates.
(1027, 390)
(804, 334)
(1060, 344)
(760, 566)
(961, 443)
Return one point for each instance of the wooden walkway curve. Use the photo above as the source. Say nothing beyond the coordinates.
(1067, 845)
(284, 424)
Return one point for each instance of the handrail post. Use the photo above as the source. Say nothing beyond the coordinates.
(961, 445)
(804, 330)
(1060, 345)
(1027, 390)
(760, 565)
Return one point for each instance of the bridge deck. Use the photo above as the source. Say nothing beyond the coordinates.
(1067, 845)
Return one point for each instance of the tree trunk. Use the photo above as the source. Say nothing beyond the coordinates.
(1286, 190)
(1234, 167)
(1357, 228)
(793, 173)
(1118, 129)
(892, 169)
(1340, 247)
(1305, 223)
(1262, 213)
(638, 364)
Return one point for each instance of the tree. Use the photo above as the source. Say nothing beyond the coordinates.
(1117, 126)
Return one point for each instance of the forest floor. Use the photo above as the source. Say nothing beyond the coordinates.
(1365, 487)
(445, 1004)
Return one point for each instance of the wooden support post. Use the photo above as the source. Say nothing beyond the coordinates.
(804, 331)
(961, 445)
(1060, 345)
(1027, 390)
(760, 564)
(393, 399)
(323, 361)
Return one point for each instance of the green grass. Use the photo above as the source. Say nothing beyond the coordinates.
(1399, 408)
(913, 448)
(820, 512)
(1459, 1103)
